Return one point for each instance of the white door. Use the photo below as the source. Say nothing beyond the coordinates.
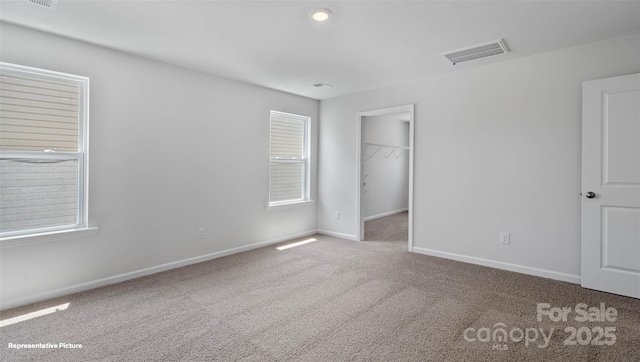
(611, 185)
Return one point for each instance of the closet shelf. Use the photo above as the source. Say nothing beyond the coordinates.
(379, 146)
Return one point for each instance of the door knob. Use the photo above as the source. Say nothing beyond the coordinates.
(590, 195)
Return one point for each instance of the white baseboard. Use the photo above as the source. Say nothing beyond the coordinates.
(501, 265)
(34, 298)
(384, 214)
(338, 235)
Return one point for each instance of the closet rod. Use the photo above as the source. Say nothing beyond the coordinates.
(381, 145)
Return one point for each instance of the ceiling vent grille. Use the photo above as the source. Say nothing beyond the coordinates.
(483, 50)
(322, 85)
(51, 4)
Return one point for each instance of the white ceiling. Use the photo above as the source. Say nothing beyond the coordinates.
(365, 45)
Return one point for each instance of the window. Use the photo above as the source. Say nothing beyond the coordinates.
(43, 151)
(288, 159)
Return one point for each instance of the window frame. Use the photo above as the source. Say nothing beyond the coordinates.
(305, 161)
(81, 156)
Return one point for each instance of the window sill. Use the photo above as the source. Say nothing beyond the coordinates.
(20, 240)
(290, 205)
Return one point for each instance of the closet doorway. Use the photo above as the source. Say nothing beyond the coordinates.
(385, 174)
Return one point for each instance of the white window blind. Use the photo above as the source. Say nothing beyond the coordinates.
(38, 114)
(43, 122)
(288, 156)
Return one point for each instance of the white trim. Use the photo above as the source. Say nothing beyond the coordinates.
(385, 214)
(60, 292)
(570, 278)
(289, 205)
(85, 150)
(45, 237)
(338, 235)
(359, 188)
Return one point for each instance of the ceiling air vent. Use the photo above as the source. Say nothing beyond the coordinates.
(51, 4)
(476, 52)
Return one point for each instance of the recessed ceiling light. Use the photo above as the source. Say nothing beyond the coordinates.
(321, 14)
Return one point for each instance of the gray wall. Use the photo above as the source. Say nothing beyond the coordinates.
(171, 150)
(497, 148)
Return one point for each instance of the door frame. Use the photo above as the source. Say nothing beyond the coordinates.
(359, 169)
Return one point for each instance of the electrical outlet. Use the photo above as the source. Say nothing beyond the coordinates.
(505, 238)
(337, 215)
(202, 233)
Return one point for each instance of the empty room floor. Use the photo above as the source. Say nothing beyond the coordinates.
(327, 300)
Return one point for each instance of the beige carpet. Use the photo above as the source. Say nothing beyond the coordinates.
(394, 228)
(329, 300)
